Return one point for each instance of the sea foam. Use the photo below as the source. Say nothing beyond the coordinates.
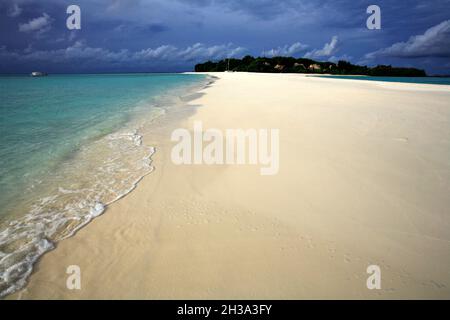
(77, 178)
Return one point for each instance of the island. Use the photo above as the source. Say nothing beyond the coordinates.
(304, 65)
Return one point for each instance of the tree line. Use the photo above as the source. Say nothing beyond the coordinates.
(304, 65)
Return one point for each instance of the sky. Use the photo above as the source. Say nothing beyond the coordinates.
(174, 35)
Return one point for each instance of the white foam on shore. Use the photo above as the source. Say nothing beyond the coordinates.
(102, 172)
(16, 274)
(59, 216)
(132, 136)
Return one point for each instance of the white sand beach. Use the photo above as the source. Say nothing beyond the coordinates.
(364, 179)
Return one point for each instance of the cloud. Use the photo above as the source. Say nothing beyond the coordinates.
(165, 52)
(193, 53)
(344, 57)
(148, 24)
(329, 49)
(265, 9)
(435, 42)
(117, 5)
(14, 11)
(273, 9)
(200, 51)
(79, 51)
(286, 50)
(141, 28)
(40, 24)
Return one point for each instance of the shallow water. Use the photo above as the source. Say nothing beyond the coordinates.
(69, 145)
(420, 80)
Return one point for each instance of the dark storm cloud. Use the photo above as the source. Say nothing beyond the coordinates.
(116, 33)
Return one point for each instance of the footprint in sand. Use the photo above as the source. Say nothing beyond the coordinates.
(402, 139)
(434, 284)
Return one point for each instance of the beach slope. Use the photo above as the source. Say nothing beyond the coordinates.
(364, 179)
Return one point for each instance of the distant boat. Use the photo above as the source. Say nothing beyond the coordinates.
(38, 74)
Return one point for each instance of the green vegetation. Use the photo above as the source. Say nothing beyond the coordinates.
(303, 65)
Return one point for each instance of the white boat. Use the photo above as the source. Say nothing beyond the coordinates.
(38, 74)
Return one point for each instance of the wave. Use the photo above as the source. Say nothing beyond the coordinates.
(100, 173)
(58, 216)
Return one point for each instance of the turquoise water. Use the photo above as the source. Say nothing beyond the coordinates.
(423, 80)
(69, 145)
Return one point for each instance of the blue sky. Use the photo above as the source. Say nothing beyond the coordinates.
(174, 35)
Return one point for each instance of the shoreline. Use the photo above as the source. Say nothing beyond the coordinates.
(222, 232)
(132, 130)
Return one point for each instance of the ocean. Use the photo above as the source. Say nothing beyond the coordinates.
(420, 80)
(69, 146)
